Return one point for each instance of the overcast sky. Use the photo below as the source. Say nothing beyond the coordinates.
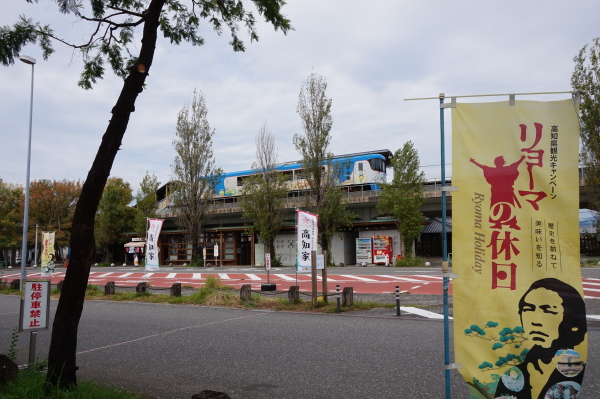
(373, 55)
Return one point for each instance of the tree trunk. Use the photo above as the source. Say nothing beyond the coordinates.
(62, 365)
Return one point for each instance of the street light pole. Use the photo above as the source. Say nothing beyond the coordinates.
(31, 61)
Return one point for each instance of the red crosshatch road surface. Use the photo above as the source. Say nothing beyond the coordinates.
(371, 284)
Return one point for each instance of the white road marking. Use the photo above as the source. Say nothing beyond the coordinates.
(171, 275)
(145, 275)
(403, 278)
(421, 312)
(357, 278)
(436, 277)
(197, 276)
(591, 289)
(415, 287)
(586, 283)
(126, 274)
(253, 277)
(105, 274)
(224, 276)
(594, 317)
(288, 278)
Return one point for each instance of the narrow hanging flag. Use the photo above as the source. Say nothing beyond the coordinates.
(308, 231)
(152, 260)
(48, 255)
(519, 313)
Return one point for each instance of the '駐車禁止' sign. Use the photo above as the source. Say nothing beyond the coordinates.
(35, 305)
(307, 239)
(519, 314)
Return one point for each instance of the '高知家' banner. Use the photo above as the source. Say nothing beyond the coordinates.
(152, 261)
(308, 230)
(519, 313)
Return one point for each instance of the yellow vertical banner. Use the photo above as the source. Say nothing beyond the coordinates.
(519, 313)
(47, 253)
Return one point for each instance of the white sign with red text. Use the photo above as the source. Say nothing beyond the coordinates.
(35, 305)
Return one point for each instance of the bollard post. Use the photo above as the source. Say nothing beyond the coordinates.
(245, 292)
(109, 288)
(15, 284)
(348, 296)
(397, 300)
(140, 288)
(176, 289)
(337, 294)
(294, 294)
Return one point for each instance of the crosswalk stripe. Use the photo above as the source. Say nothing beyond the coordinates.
(144, 276)
(253, 277)
(171, 275)
(593, 279)
(404, 279)
(421, 312)
(197, 276)
(586, 283)
(288, 278)
(357, 277)
(105, 274)
(591, 289)
(224, 276)
(126, 274)
(435, 277)
(594, 317)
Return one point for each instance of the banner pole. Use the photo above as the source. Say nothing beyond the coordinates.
(445, 273)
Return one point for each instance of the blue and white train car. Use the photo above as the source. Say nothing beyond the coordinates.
(360, 171)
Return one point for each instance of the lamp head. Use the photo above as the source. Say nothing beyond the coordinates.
(27, 59)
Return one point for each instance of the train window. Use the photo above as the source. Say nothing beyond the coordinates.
(377, 165)
(360, 167)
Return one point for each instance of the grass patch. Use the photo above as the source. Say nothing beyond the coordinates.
(413, 261)
(30, 385)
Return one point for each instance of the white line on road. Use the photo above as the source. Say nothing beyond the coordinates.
(594, 317)
(105, 274)
(591, 289)
(586, 283)
(197, 276)
(171, 275)
(435, 277)
(415, 287)
(224, 276)
(283, 276)
(144, 276)
(421, 312)
(357, 278)
(253, 277)
(126, 274)
(403, 278)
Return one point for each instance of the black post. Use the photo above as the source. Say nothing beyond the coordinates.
(337, 293)
(397, 300)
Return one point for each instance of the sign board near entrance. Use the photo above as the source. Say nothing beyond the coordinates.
(268, 261)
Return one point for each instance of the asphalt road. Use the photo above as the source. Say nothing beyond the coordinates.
(174, 351)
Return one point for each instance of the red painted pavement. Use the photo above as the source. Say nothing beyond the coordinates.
(371, 284)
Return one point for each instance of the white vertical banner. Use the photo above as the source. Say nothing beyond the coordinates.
(35, 305)
(152, 261)
(308, 231)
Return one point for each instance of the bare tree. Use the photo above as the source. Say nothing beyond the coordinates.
(265, 191)
(193, 171)
(320, 170)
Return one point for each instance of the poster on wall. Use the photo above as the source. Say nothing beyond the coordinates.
(519, 313)
(308, 231)
(48, 255)
(152, 260)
